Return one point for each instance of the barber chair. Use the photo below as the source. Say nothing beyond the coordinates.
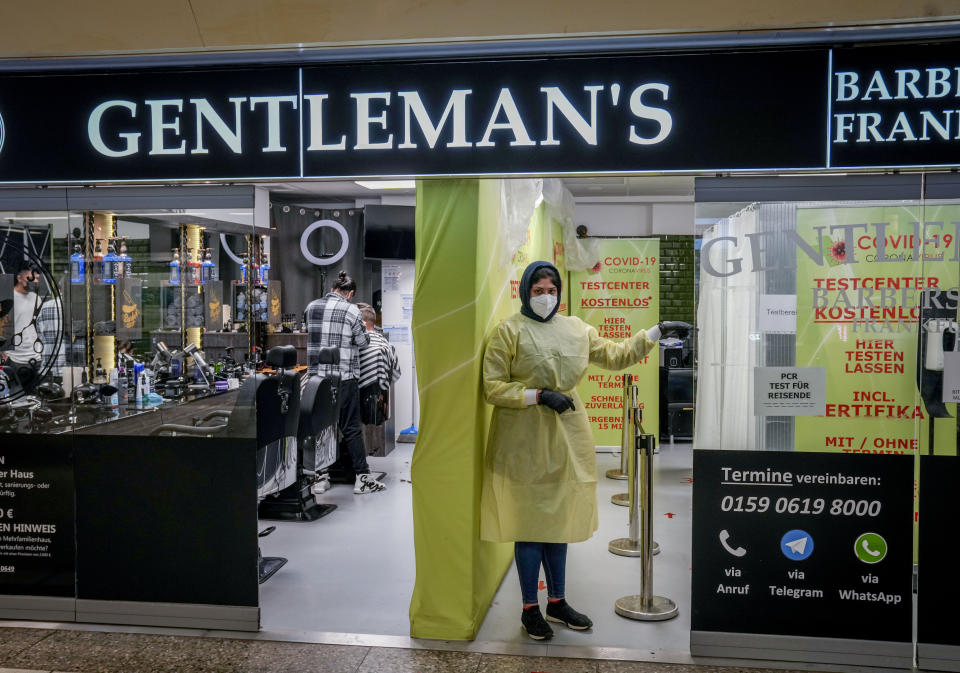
(267, 408)
(316, 448)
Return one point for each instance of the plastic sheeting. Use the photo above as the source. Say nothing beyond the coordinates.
(518, 199)
(726, 322)
(580, 253)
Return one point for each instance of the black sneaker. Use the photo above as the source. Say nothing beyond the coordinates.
(534, 625)
(561, 612)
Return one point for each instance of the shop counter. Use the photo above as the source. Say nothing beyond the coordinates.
(156, 530)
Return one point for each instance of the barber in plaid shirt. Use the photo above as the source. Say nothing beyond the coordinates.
(333, 322)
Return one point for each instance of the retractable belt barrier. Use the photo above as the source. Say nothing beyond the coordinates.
(638, 449)
(632, 422)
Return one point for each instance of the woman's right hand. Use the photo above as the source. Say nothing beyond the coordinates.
(556, 401)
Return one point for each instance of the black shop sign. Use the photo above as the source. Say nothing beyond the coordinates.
(803, 544)
(762, 110)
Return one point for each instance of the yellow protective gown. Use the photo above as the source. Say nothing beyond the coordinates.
(540, 473)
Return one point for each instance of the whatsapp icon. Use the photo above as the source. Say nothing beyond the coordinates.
(870, 548)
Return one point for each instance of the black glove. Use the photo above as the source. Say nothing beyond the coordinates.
(674, 328)
(556, 401)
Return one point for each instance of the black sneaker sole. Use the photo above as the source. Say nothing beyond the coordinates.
(546, 637)
(568, 624)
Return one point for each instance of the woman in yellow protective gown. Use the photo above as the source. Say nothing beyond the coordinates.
(540, 473)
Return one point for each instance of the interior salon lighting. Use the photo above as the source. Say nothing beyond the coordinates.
(387, 184)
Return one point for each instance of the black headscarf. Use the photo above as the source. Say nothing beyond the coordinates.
(526, 284)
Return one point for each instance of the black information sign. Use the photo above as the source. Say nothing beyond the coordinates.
(938, 637)
(37, 545)
(803, 544)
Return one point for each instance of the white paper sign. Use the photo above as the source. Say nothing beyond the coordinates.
(390, 277)
(406, 305)
(397, 334)
(951, 376)
(778, 313)
(790, 391)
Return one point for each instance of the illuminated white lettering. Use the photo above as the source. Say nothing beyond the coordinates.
(844, 125)
(95, 132)
(273, 118)
(659, 115)
(868, 124)
(877, 85)
(159, 127)
(364, 121)
(902, 126)
(557, 100)
(315, 103)
(514, 123)
(232, 137)
(907, 79)
(456, 106)
(847, 88)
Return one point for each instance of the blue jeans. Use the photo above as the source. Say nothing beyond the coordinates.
(529, 556)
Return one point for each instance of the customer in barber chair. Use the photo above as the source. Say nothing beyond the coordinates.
(379, 369)
(334, 322)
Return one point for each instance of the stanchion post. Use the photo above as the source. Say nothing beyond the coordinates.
(626, 437)
(631, 545)
(646, 606)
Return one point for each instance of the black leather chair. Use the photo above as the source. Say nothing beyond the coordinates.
(267, 408)
(317, 444)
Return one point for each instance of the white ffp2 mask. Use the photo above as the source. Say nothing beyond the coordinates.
(543, 304)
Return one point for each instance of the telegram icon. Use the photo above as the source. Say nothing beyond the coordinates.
(796, 545)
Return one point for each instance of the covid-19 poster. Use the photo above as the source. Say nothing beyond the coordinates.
(619, 296)
(883, 294)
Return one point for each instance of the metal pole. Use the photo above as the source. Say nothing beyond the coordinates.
(626, 438)
(632, 545)
(630, 396)
(646, 606)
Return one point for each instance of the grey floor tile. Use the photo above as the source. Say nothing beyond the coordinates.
(495, 663)
(391, 660)
(15, 640)
(272, 657)
(653, 667)
(94, 652)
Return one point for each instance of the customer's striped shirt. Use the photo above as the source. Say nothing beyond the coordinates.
(378, 362)
(333, 322)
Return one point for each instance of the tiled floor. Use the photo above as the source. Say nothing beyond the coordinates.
(115, 652)
(317, 591)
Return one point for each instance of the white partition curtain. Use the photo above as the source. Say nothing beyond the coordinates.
(728, 337)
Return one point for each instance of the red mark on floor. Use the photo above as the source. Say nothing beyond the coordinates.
(543, 585)
(669, 515)
(687, 480)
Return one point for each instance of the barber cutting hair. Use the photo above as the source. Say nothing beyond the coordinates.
(540, 474)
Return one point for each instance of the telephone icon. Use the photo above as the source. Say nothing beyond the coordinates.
(735, 551)
(870, 548)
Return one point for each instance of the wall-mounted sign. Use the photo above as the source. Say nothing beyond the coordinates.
(894, 105)
(789, 391)
(793, 109)
(803, 557)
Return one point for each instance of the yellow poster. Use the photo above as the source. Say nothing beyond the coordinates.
(619, 296)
